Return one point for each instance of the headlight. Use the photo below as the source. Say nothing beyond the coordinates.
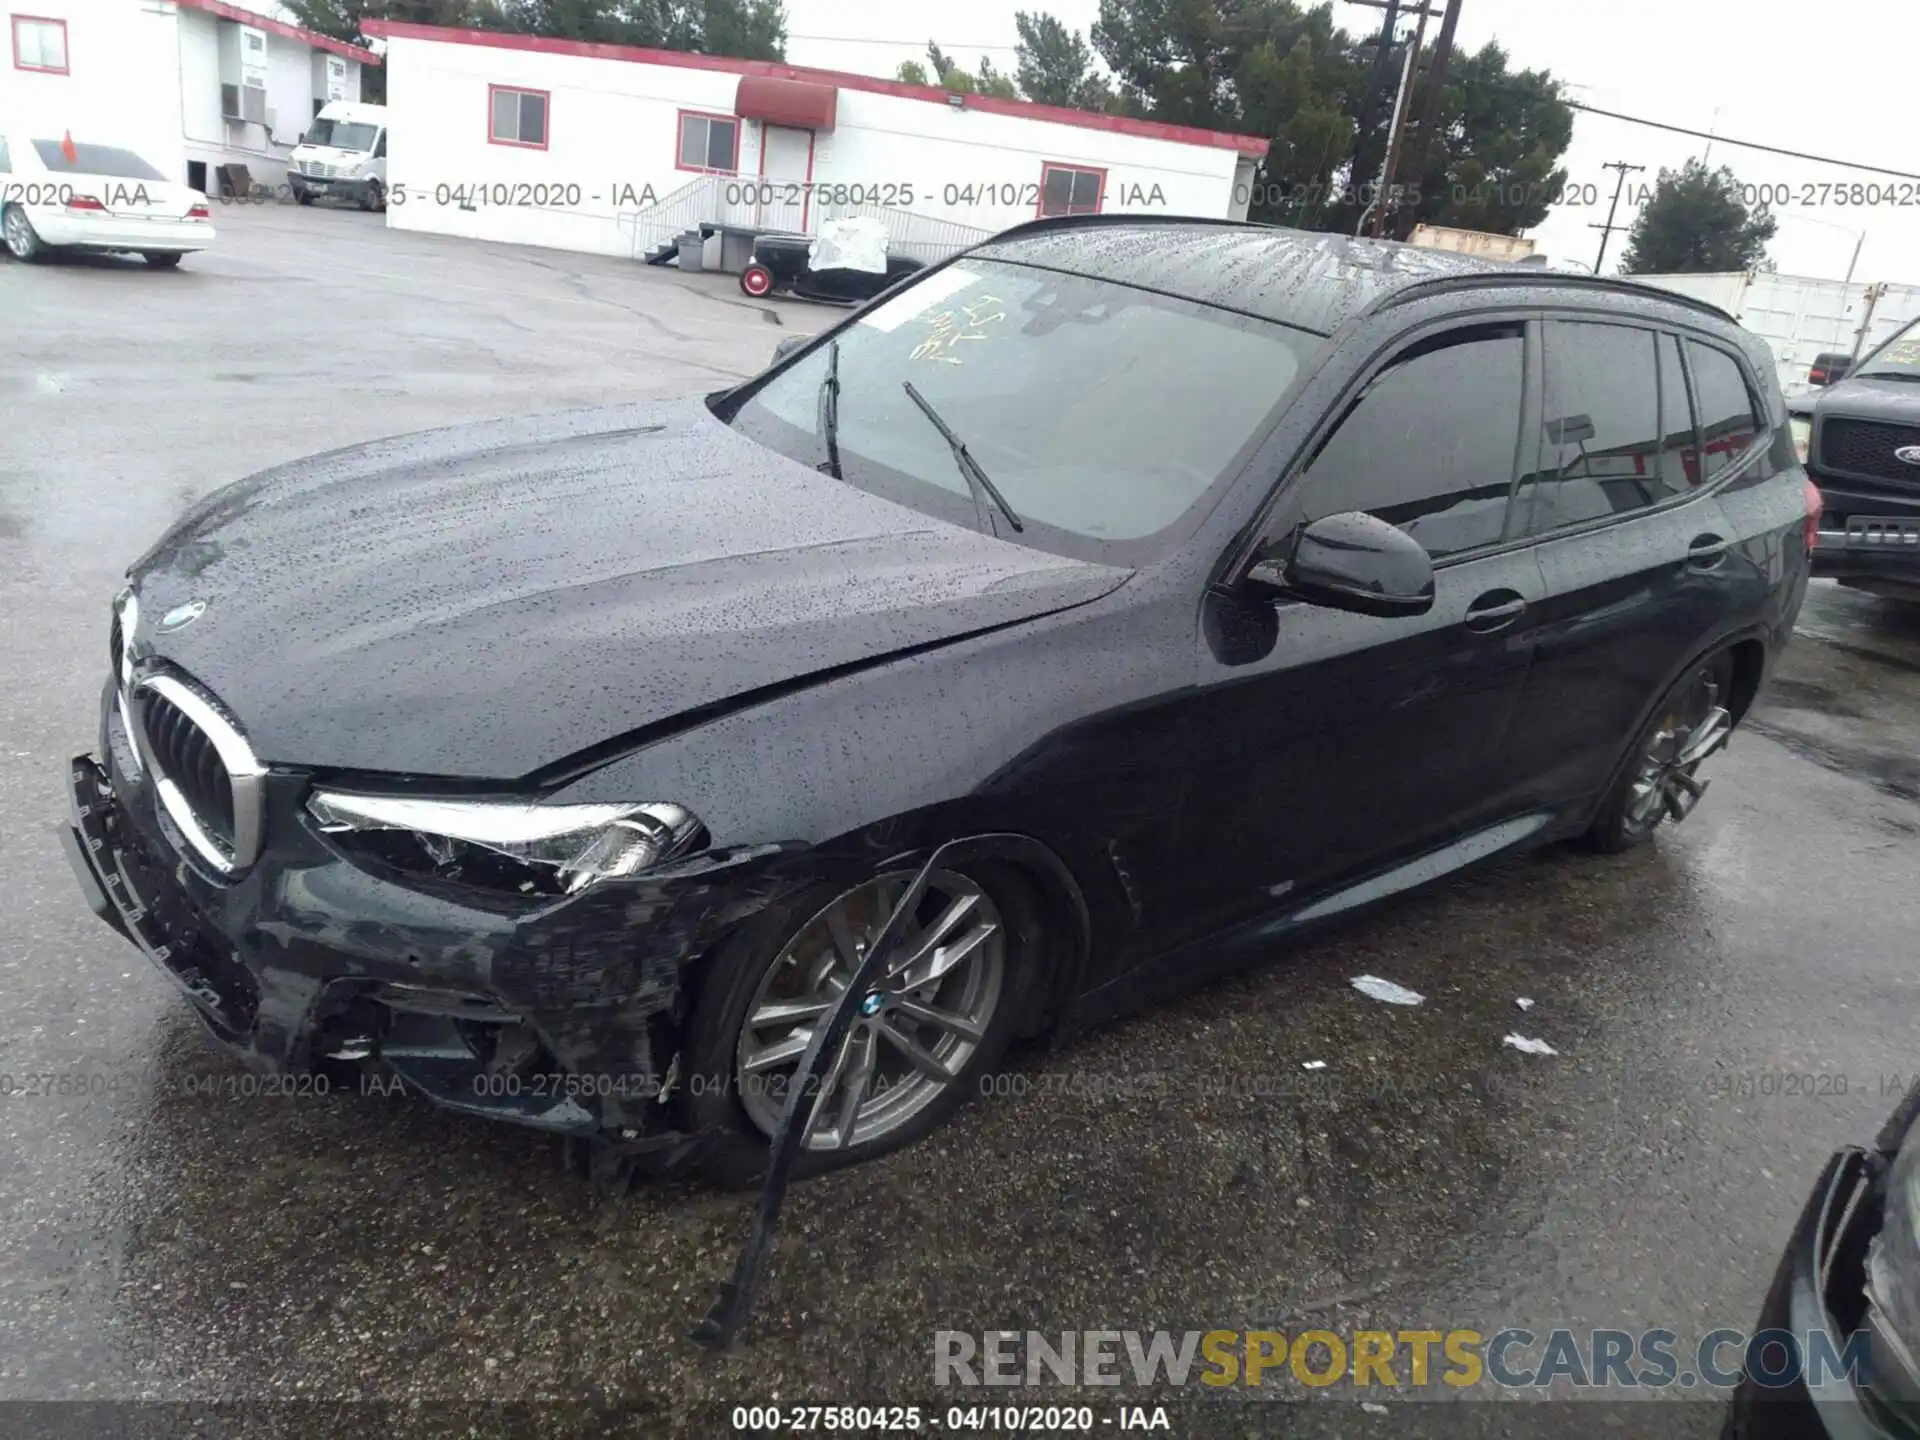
(1802, 429)
(549, 849)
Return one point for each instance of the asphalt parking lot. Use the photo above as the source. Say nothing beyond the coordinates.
(161, 1239)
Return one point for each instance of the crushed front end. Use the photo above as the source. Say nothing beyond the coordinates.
(300, 952)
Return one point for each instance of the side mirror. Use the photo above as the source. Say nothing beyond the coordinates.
(1352, 562)
(787, 346)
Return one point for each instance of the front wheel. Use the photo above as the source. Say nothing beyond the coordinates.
(757, 280)
(1660, 780)
(22, 240)
(161, 259)
(923, 1038)
(305, 197)
(374, 198)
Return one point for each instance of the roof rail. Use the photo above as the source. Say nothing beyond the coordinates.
(1532, 279)
(1077, 222)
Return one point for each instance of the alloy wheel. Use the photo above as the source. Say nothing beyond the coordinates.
(916, 1029)
(1666, 785)
(18, 236)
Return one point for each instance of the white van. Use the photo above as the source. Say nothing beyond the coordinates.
(343, 153)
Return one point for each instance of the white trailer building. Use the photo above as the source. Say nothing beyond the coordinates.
(190, 85)
(615, 150)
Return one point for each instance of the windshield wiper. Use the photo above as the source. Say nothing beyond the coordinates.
(830, 410)
(977, 479)
(1913, 375)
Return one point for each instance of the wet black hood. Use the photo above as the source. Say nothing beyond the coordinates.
(1867, 397)
(486, 601)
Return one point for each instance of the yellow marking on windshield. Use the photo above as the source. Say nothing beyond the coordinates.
(949, 328)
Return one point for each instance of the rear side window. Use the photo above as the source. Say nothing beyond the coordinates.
(1617, 428)
(1430, 444)
(1729, 420)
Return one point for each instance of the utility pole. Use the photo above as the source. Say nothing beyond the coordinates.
(1400, 108)
(1375, 80)
(1436, 82)
(1606, 230)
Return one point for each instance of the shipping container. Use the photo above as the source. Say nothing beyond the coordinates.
(1801, 317)
(1472, 242)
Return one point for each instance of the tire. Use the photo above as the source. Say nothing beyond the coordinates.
(757, 281)
(305, 197)
(162, 259)
(373, 199)
(720, 1096)
(21, 239)
(1623, 823)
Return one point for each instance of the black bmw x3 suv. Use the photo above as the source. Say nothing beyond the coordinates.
(1206, 581)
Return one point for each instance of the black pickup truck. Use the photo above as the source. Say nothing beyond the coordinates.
(1860, 441)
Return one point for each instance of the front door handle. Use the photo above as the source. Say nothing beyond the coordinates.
(1495, 610)
(1706, 552)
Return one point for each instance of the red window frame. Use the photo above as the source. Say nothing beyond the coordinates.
(546, 132)
(680, 135)
(66, 49)
(1048, 167)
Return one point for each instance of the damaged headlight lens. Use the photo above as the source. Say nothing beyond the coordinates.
(511, 845)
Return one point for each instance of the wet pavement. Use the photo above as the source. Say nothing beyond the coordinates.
(1729, 1006)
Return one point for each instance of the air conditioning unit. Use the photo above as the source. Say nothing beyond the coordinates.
(230, 102)
(253, 104)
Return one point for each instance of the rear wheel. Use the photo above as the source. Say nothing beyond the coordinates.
(922, 1038)
(1660, 780)
(161, 259)
(757, 281)
(22, 241)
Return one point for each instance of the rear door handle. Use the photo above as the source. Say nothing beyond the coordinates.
(1495, 610)
(1706, 552)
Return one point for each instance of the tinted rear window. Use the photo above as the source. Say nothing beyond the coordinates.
(94, 160)
(1728, 417)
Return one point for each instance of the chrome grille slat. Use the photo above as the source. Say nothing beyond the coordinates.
(205, 774)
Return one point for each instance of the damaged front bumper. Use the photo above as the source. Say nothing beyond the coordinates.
(562, 1014)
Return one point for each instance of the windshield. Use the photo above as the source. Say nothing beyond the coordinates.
(93, 160)
(1103, 414)
(1898, 359)
(342, 134)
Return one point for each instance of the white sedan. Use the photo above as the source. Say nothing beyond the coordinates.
(63, 195)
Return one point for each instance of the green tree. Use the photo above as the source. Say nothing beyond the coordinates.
(749, 29)
(1284, 70)
(1696, 223)
(1055, 66)
(913, 73)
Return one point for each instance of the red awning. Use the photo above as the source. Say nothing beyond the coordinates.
(799, 103)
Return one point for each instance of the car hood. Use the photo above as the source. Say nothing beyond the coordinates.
(488, 601)
(1865, 398)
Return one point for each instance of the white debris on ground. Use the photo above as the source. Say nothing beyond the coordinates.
(1313, 1064)
(1524, 1003)
(1374, 988)
(1530, 1047)
(1373, 1409)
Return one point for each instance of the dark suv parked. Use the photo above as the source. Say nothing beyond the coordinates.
(1861, 439)
(1205, 581)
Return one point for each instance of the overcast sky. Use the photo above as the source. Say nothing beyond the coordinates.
(1834, 79)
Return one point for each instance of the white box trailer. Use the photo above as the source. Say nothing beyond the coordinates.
(1801, 317)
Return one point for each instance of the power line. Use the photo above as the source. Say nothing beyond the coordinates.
(894, 44)
(1742, 144)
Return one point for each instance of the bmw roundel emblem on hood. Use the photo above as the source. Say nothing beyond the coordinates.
(182, 616)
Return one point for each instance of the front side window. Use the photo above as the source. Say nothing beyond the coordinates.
(1430, 444)
(519, 117)
(380, 147)
(1728, 418)
(1067, 190)
(1104, 414)
(709, 142)
(40, 44)
(64, 158)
